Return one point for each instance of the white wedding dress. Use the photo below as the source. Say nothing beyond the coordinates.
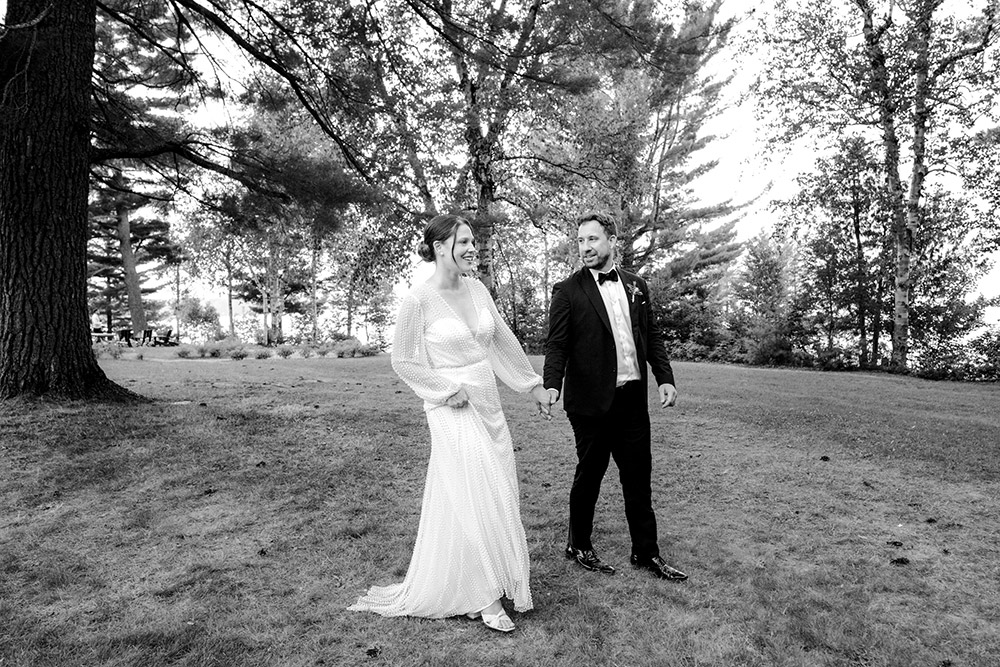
(471, 548)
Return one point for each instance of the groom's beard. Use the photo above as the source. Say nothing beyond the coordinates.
(597, 260)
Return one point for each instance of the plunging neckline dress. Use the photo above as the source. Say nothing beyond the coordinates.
(470, 548)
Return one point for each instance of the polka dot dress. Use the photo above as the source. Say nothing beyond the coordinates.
(471, 547)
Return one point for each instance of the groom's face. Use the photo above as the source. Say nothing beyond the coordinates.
(594, 245)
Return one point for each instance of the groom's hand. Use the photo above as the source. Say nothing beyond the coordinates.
(544, 400)
(668, 395)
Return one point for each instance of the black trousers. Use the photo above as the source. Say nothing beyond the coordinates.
(622, 433)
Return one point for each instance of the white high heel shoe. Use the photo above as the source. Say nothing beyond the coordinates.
(499, 621)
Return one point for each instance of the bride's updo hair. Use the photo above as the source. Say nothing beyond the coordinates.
(440, 228)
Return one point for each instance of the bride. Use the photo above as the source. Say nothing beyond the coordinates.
(450, 341)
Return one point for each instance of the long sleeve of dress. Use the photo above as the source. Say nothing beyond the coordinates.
(409, 355)
(507, 357)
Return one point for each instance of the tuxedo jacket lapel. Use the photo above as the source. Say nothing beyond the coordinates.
(628, 282)
(589, 286)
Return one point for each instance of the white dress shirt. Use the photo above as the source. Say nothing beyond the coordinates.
(616, 302)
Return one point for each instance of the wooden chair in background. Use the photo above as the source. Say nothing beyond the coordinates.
(163, 338)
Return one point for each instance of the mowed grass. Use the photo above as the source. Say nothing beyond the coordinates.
(824, 519)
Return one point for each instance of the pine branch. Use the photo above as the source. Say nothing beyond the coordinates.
(307, 98)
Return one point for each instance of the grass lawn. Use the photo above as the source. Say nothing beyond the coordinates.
(824, 519)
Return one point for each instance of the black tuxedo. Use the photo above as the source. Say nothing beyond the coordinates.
(581, 361)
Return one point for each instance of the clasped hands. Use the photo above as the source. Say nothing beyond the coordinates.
(545, 398)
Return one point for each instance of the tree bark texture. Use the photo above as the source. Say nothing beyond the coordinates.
(45, 73)
(888, 108)
(314, 290)
(904, 234)
(132, 283)
(484, 126)
(229, 293)
(861, 275)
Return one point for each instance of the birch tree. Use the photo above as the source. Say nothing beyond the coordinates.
(911, 72)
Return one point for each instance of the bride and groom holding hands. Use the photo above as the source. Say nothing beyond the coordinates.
(450, 346)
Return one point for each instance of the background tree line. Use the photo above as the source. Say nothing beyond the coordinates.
(345, 126)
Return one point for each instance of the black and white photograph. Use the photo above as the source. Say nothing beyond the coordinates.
(481, 333)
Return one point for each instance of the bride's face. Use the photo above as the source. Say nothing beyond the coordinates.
(458, 250)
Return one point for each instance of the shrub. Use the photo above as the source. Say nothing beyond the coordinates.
(238, 353)
(836, 359)
(323, 350)
(338, 336)
(202, 350)
(803, 359)
(773, 349)
(367, 350)
(346, 347)
(689, 351)
(224, 347)
(102, 349)
(305, 351)
(263, 353)
(284, 351)
(184, 352)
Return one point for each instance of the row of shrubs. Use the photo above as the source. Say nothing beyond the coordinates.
(350, 347)
(956, 366)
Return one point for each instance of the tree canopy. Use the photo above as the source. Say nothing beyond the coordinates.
(294, 150)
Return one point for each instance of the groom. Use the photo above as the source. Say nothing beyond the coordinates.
(600, 340)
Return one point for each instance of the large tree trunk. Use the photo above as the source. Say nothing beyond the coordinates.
(904, 234)
(350, 308)
(878, 303)
(229, 294)
(177, 301)
(887, 110)
(483, 128)
(481, 146)
(545, 270)
(46, 59)
(485, 227)
(132, 282)
(314, 289)
(861, 278)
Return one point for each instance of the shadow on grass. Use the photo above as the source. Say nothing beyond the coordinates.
(232, 521)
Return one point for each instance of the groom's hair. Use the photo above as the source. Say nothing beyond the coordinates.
(606, 220)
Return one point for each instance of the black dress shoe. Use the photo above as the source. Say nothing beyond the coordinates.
(588, 560)
(659, 567)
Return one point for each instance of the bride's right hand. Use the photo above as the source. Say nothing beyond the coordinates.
(458, 400)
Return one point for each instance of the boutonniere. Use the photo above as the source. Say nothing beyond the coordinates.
(635, 291)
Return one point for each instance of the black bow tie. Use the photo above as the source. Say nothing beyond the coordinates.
(611, 275)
